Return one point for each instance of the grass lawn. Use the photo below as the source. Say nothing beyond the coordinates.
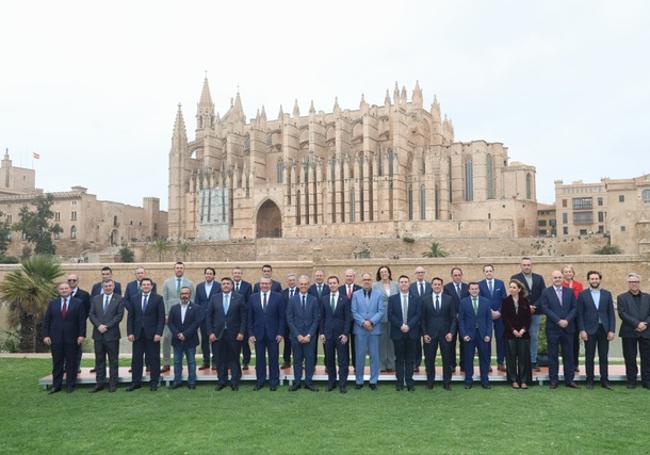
(500, 420)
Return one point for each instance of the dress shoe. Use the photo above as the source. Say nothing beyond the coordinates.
(411, 388)
(515, 385)
(165, 369)
(294, 387)
(524, 385)
(273, 388)
(490, 370)
(204, 367)
(220, 387)
(245, 367)
(358, 386)
(258, 387)
(177, 386)
(330, 387)
(416, 370)
(606, 385)
(577, 369)
(133, 387)
(130, 370)
(590, 386)
(486, 386)
(97, 388)
(153, 387)
(54, 390)
(430, 385)
(191, 386)
(537, 369)
(572, 385)
(390, 370)
(343, 389)
(213, 369)
(92, 370)
(234, 388)
(112, 388)
(286, 365)
(501, 368)
(447, 387)
(399, 388)
(468, 386)
(147, 370)
(311, 388)
(553, 386)
(462, 370)
(373, 386)
(631, 386)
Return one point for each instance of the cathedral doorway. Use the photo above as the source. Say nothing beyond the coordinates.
(115, 237)
(269, 220)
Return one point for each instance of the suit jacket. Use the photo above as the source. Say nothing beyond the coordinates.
(111, 318)
(189, 328)
(153, 319)
(555, 312)
(536, 292)
(468, 321)
(437, 324)
(97, 289)
(335, 323)
(202, 298)
(245, 289)
(64, 330)
(450, 290)
(170, 296)
(589, 316)
(497, 295)
(414, 289)
(303, 322)
(396, 317)
(84, 297)
(373, 311)
(235, 319)
(344, 290)
(515, 320)
(275, 287)
(131, 292)
(632, 313)
(269, 322)
(285, 297)
(313, 290)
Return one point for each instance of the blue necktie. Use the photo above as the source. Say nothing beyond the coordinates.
(105, 303)
(304, 304)
(144, 303)
(226, 303)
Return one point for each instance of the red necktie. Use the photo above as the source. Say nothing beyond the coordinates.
(349, 292)
(64, 310)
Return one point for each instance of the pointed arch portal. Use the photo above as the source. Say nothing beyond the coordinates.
(269, 220)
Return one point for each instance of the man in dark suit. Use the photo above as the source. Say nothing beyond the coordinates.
(318, 289)
(348, 288)
(144, 325)
(287, 294)
(245, 289)
(439, 324)
(266, 319)
(535, 285)
(458, 291)
(76, 292)
(404, 313)
(267, 272)
(597, 326)
(107, 274)
(495, 291)
(335, 325)
(303, 315)
(227, 314)
(422, 288)
(106, 313)
(185, 318)
(132, 289)
(64, 330)
(559, 305)
(204, 292)
(634, 311)
(475, 325)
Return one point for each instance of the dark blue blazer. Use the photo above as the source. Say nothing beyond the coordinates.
(235, 319)
(413, 318)
(344, 290)
(268, 323)
(555, 312)
(132, 292)
(339, 322)
(314, 291)
(275, 287)
(588, 315)
(303, 322)
(535, 293)
(245, 289)
(467, 320)
(64, 330)
(152, 321)
(97, 288)
(201, 298)
(498, 293)
(193, 319)
(450, 290)
(437, 324)
(414, 289)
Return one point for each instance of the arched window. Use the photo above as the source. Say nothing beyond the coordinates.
(449, 178)
(73, 232)
(645, 195)
(489, 163)
(352, 209)
(469, 180)
(409, 197)
(423, 205)
(279, 171)
(529, 186)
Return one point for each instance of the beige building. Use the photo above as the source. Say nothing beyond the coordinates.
(376, 171)
(88, 224)
(581, 208)
(546, 220)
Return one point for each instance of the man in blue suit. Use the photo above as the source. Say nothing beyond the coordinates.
(335, 325)
(75, 291)
(204, 292)
(318, 289)
(495, 291)
(597, 325)
(287, 294)
(303, 316)
(458, 290)
(367, 313)
(144, 325)
(422, 288)
(404, 312)
(475, 325)
(107, 274)
(227, 325)
(267, 272)
(185, 318)
(133, 287)
(559, 305)
(266, 319)
(348, 288)
(64, 330)
(245, 289)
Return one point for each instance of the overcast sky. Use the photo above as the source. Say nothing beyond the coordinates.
(93, 86)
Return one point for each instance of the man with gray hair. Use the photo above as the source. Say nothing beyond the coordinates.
(634, 311)
(171, 296)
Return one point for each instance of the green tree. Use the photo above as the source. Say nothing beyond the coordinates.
(26, 292)
(126, 254)
(435, 251)
(5, 235)
(35, 226)
(183, 249)
(160, 246)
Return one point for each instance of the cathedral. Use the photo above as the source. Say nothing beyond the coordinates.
(377, 171)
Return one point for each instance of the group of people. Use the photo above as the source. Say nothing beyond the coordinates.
(396, 323)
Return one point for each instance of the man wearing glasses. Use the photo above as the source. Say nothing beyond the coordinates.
(634, 311)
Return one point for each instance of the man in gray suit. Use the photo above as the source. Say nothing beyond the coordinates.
(171, 296)
(634, 311)
(106, 312)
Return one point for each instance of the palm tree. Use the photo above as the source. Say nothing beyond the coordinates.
(26, 291)
(161, 246)
(435, 251)
(184, 248)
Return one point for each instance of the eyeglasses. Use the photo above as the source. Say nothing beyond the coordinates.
(72, 281)
(634, 282)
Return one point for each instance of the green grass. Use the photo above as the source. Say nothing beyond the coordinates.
(502, 420)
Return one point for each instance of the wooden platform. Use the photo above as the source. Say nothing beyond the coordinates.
(616, 374)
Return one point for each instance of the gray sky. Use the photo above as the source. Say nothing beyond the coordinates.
(93, 87)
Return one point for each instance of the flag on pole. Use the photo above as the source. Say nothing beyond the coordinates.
(36, 156)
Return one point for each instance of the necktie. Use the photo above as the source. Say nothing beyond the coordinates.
(404, 309)
(178, 286)
(320, 291)
(64, 310)
(304, 303)
(559, 295)
(333, 303)
(437, 302)
(349, 292)
(458, 290)
(226, 303)
(475, 305)
(237, 287)
(144, 303)
(105, 303)
(490, 287)
(138, 282)
(290, 293)
(421, 289)
(264, 301)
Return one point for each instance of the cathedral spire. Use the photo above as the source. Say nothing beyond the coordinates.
(238, 106)
(387, 98)
(263, 113)
(205, 108)
(396, 94)
(336, 107)
(363, 106)
(180, 136)
(312, 109)
(403, 96)
(280, 113)
(417, 95)
(296, 109)
(206, 99)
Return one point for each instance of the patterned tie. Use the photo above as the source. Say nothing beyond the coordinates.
(105, 303)
(64, 310)
(458, 290)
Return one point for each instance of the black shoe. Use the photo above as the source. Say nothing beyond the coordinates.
(273, 388)
(590, 386)
(553, 386)
(234, 388)
(343, 389)
(97, 388)
(54, 390)
(258, 387)
(631, 386)
(330, 387)
(177, 386)
(486, 386)
(468, 386)
(294, 387)
(69, 390)
(205, 366)
(411, 388)
(572, 385)
(153, 387)
(191, 386)
(285, 365)
(133, 387)
(399, 387)
(446, 387)
(112, 388)
(245, 367)
(311, 388)
(220, 387)
(92, 370)
(430, 385)
(606, 385)
(358, 386)
(373, 386)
